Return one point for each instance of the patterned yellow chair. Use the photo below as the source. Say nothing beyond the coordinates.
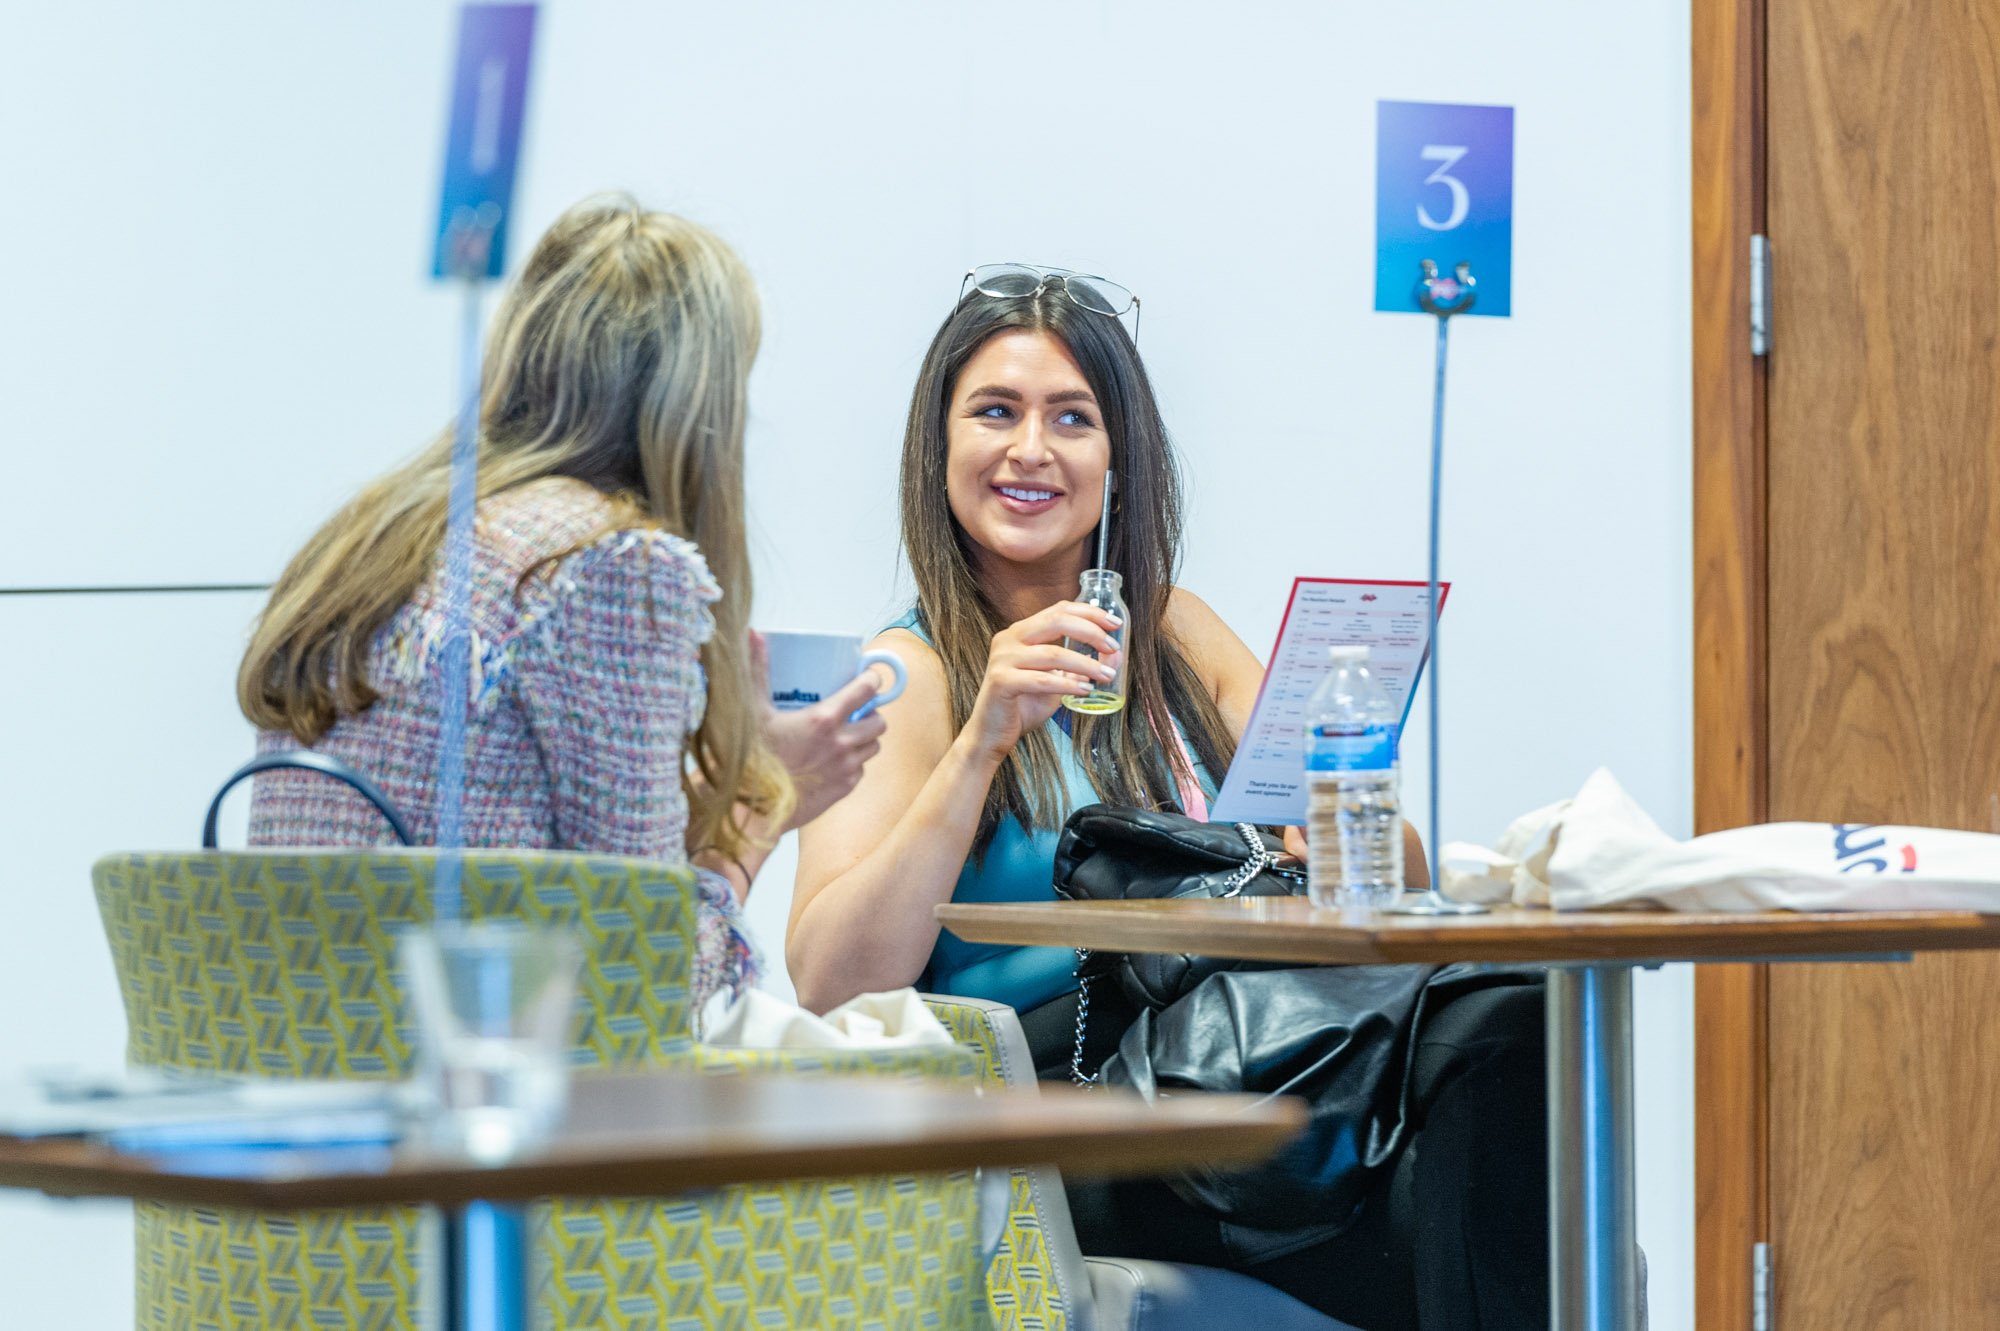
(1039, 1279)
(280, 964)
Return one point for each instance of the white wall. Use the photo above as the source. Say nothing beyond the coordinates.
(217, 325)
(120, 722)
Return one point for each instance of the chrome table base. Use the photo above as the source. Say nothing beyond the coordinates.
(1593, 1230)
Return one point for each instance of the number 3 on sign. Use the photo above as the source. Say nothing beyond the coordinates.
(1460, 200)
(1444, 191)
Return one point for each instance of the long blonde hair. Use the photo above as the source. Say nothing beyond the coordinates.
(620, 358)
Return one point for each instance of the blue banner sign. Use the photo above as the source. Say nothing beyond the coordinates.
(1444, 191)
(483, 146)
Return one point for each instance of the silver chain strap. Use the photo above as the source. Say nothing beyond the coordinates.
(1076, 1072)
(1260, 859)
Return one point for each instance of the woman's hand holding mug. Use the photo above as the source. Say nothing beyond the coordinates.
(824, 743)
(823, 750)
(1029, 672)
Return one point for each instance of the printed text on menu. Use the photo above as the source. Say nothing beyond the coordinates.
(1266, 783)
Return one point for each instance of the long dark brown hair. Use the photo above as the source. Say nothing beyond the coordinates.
(1130, 755)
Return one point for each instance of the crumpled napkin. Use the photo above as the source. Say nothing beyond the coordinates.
(897, 1019)
(1516, 869)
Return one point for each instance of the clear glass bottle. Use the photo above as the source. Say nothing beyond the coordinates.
(1100, 589)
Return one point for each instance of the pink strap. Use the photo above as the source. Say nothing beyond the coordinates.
(1193, 802)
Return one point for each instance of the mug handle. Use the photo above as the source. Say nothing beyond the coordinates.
(893, 692)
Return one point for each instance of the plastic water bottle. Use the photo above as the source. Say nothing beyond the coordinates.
(1354, 823)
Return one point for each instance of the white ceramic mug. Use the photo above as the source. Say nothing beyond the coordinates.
(806, 667)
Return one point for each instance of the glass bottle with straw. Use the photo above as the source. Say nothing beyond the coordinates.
(1099, 589)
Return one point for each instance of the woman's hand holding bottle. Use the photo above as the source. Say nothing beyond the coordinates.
(1029, 672)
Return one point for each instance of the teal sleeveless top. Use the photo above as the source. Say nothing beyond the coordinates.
(1019, 865)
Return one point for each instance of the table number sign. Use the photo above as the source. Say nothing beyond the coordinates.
(1444, 191)
(483, 144)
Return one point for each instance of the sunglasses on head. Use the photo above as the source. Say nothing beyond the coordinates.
(1084, 290)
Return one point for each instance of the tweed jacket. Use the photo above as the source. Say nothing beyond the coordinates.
(586, 684)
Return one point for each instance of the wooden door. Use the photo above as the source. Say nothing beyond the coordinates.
(1879, 696)
(1884, 642)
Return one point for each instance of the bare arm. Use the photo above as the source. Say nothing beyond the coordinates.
(1234, 677)
(873, 868)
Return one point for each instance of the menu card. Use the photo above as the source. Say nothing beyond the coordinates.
(1266, 782)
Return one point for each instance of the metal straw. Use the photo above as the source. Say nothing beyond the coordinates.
(1104, 521)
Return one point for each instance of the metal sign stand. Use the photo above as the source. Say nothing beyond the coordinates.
(471, 242)
(485, 1263)
(1443, 297)
(486, 1242)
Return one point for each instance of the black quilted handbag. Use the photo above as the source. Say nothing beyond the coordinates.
(1108, 853)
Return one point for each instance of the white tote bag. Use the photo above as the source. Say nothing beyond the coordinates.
(1600, 849)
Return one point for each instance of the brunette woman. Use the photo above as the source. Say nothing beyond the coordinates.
(1031, 390)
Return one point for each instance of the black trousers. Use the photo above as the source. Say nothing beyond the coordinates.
(1454, 1237)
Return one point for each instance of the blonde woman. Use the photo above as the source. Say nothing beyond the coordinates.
(615, 705)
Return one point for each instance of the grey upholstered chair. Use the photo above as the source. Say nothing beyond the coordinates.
(1094, 1293)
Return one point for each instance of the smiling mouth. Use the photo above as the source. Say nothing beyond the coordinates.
(1024, 495)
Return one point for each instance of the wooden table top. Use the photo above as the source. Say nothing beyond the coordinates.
(1290, 929)
(657, 1134)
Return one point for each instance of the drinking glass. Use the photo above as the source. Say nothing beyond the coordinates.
(494, 1008)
